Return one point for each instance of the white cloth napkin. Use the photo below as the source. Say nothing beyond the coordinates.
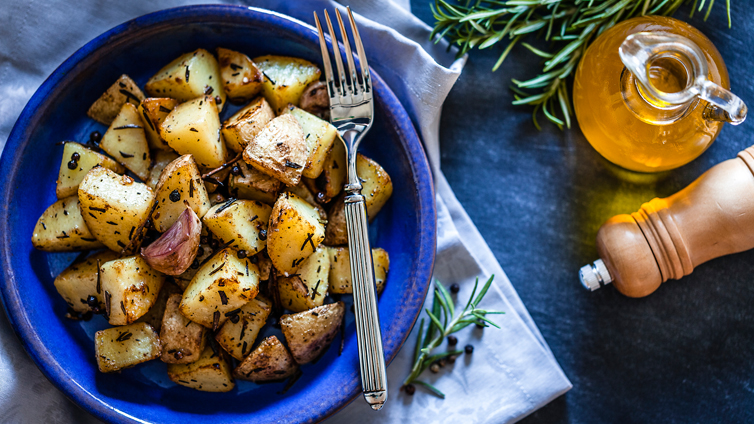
(511, 373)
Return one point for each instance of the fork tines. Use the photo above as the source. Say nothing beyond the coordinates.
(347, 85)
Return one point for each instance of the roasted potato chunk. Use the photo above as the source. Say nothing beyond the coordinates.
(237, 335)
(189, 76)
(180, 182)
(61, 228)
(252, 184)
(109, 104)
(294, 232)
(154, 316)
(183, 341)
(183, 280)
(194, 128)
(279, 150)
(306, 289)
(222, 285)
(286, 78)
(77, 161)
(334, 174)
(340, 269)
(210, 373)
(336, 231)
(241, 78)
(244, 125)
(319, 136)
(270, 361)
(265, 265)
(126, 141)
(123, 347)
(161, 159)
(130, 288)
(309, 333)
(80, 281)
(114, 207)
(153, 111)
(242, 221)
(316, 100)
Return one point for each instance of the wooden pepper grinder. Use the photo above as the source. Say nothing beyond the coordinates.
(667, 238)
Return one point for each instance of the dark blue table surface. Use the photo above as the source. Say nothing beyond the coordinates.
(683, 354)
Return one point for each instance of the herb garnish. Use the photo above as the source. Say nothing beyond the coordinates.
(128, 127)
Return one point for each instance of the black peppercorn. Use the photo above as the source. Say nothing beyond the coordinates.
(200, 252)
(214, 243)
(468, 349)
(241, 254)
(235, 170)
(73, 164)
(451, 359)
(410, 389)
(178, 355)
(92, 301)
(234, 318)
(195, 265)
(75, 156)
(175, 196)
(452, 340)
(455, 288)
(95, 136)
(263, 235)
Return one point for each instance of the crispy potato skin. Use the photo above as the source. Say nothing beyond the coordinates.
(153, 111)
(183, 341)
(130, 288)
(61, 228)
(181, 176)
(287, 78)
(310, 332)
(79, 281)
(210, 373)
(253, 184)
(69, 179)
(241, 128)
(270, 361)
(241, 78)
(294, 232)
(237, 338)
(340, 269)
(187, 77)
(126, 141)
(123, 347)
(108, 105)
(306, 290)
(279, 150)
(319, 137)
(243, 221)
(154, 316)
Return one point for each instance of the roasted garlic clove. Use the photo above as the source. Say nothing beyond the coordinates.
(176, 249)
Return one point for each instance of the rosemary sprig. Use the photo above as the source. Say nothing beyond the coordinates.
(570, 25)
(443, 322)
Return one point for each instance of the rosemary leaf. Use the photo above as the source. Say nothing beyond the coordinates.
(431, 388)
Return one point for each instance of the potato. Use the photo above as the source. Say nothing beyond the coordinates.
(337, 232)
(210, 373)
(264, 264)
(130, 288)
(161, 159)
(194, 128)
(183, 341)
(81, 280)
(108, 105)
(126, 141)
(243, 221)
(240, 76)
(334, 174)
(270, 361)
(319, 136)
(309, 333)
(237, 335)
(279, 150)
(123, 347)
(286, 78)
(252, 184)
(316, 100)
(184, 279)
(69, 179)
(153, 112)
(180, 182)
(154, 316)
(307, 288)
(302, 191)
(244, 125)
(340, 269)
(188, 77)
(114, 207)
(294, 232)
(222, 285)
(61, 228)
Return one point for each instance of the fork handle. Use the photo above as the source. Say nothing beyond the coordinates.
(369, 335)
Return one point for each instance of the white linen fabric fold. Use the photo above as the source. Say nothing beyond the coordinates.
(512, 371)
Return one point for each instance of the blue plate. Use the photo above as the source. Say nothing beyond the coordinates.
(64, 350)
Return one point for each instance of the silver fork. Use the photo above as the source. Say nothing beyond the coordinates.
(351, 112)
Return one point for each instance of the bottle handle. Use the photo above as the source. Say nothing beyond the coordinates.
(639, 50)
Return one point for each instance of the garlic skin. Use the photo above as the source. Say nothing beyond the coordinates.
(175, 250)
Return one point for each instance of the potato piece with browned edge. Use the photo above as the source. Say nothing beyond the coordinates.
(223, 284)
(242, 221)
(154, 316)
(194, 128)
(340, 269)
(253, 184)
(244, 125)
(240, 76)
(114, 207)
(80, 281)
(309, 333)
(123, 347)
(302, 191)
(334, 174)
(237, 335)
(286, 78)
(180, 182)
(319, 136)
(183, 341)
(160, 159)
(61, 228)
(183, 280)
(77, 161)
(210, 373)
(153, 112)
(279, 150)
(265, 265)
(306, 289)
(130, 288)
(108, 105)
(294, 232)
(187, 77)
(270, 361)
(126, 141)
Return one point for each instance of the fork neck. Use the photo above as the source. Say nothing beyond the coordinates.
(353, 188)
